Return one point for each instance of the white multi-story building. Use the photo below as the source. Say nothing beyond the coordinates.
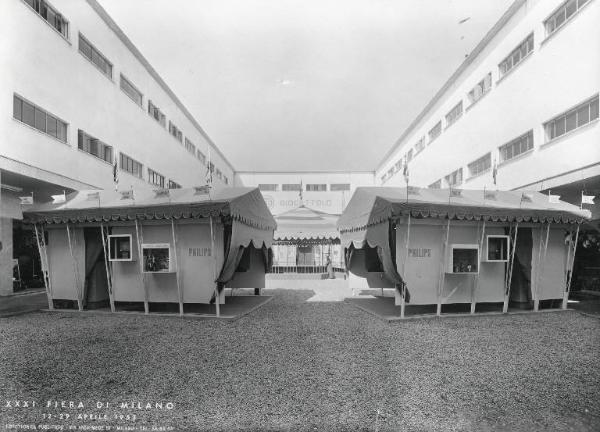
(75, 96)
(326, 191)
(525, 100)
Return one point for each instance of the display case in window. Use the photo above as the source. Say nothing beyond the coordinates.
(463, 259)
(119, 247)
(497, 248)
(157, 257)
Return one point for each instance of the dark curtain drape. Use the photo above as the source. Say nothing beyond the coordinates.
(94, 256)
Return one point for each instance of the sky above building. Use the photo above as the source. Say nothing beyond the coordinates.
(300, 85)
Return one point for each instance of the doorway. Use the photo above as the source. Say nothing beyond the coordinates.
(520, 286)
(95, 291)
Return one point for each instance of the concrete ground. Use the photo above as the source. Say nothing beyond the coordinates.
(23, 302)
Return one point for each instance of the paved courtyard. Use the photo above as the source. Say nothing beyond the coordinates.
(309, 361)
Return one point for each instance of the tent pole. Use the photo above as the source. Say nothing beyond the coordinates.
(212, 248)
(403, 293)
(139, 234)
(45, 271)
(476, 281)
(106, 267)
(75, 271)
(570, 273)
(508, 280)
(443, 269)
(541, 262)
(177, 278)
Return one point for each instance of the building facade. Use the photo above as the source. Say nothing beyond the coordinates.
(520, 113)
(77, 97)
(324, 191)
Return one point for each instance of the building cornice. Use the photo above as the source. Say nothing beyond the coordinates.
(510, 12)
(137, 54)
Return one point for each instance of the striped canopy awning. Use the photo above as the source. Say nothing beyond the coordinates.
(303, 223)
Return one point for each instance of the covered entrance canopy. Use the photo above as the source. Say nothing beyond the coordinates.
(411, 238)
(304, 240)
(198, 238)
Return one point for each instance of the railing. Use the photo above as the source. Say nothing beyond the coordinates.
(305, 269)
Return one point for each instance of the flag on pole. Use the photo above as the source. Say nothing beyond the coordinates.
(405, 172)
(455, 192)
(495, 171)
(209, 169)
(554, 199)
(57, 199)
(526, 197)
(128, 194)
(162, 192)
(202, 190)
(115, 174)
(93, 196)
(26, 200)
(587, 199)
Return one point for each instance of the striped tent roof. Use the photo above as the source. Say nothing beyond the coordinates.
(303, 223)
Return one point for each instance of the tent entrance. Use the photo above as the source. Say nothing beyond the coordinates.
(520, 287)
(95, 288)
(303, 256)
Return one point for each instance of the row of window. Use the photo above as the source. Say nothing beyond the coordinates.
(309, 187)
(49, 124)
(571, 119)
(88, 50)
(516, 56)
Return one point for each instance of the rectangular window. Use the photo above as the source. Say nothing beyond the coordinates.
(419, 146)
(156, 114)
(316, 187)
(189, 146)
(516, 55)
(199, 155)
(155, 178)
(174, 130)
(516, 147)
(480, 165)
(572, 119)
(51, 15)
(130, 165)
(339, 187)
(94, 146)
(267, 187)
(455, 178)
(130, 90)
(480, 89)
(435, 131)
(173, 185)
(562, 15)
(436, 185)
(454, 114)
(38, 118)
(290, 187)
(92, 54)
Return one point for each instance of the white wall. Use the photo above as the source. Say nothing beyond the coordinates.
(562, 71)
(40, 65)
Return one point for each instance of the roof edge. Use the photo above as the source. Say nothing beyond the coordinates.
(137, 54)
(510, 12)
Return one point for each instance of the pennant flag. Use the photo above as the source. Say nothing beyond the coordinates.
(405, 172)
(413, 190)
(456, 192)
(161, 193)
(56, 199)
(115, 174)
(554, 199)
(26, 200)
(202, 190)
(489, 195)
(127, 194)
(495, 171)
(93, 196)
(587, 199)
(526, 197)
